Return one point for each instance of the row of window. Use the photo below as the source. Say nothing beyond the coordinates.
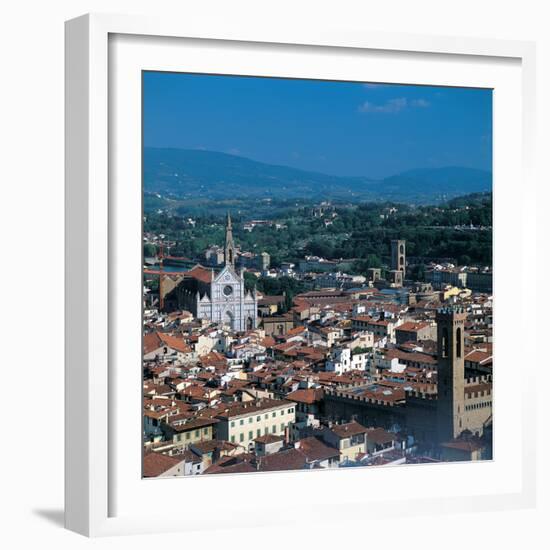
(259, 417)
(251, 435)
(478, 405)
(188, 434)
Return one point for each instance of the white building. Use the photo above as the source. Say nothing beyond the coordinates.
(342, 359)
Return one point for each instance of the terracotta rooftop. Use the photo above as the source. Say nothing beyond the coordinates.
(349, 429)
(291, 459)
(155, 464)
(200, 273)
(307, 396)
(269, 438)
(156, 340)
(314, 449)
(238, 468)
(380, 436)
(412, 326)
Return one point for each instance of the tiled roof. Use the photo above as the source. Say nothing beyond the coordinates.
(200, 273)
(412, 326)
(156, 340)
(269, 438)
(155, 464)
(308, 396)
(239, 468)
(314, 449)
(380, 436)
(291, 459)
(349, 429)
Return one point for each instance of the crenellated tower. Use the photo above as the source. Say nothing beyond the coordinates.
(450, 372)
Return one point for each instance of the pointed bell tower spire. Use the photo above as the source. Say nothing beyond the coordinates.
(229, 254)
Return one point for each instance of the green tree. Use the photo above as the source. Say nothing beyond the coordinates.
(149, 250)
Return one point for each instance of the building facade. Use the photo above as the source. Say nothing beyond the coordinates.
(245, 422)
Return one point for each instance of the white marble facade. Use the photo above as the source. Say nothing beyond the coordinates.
(228, 302)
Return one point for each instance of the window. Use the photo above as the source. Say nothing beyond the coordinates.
(282, 412)
(266, 430)
(273, 414)
(232, 439)
(250, 435)
(458, 342)
(258, 418)
(444, 342)
(250, 420)
(290, 411)
(205, 431)
(187, 435)
(273, 428)
(241, 437)
(282, 427)
(242, 421)
(197, 433)
(266, 416)
(233, 424)
(228, 289)
(258, 432)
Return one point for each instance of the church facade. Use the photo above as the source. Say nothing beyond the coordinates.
(219, 297)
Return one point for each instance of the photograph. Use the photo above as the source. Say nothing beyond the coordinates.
(317, 274)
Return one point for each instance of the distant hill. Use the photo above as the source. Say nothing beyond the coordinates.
(438, 183)
(186, 174)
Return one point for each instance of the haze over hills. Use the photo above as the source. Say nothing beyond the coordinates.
(194, 174)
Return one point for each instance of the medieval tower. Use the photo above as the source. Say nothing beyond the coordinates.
(398, 255)
(450, 373)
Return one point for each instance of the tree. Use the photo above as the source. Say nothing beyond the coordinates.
(250, 280)
(149, 250)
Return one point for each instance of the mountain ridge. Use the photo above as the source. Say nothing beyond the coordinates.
(190, 173)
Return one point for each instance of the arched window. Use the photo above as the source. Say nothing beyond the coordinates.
(401, 249)
(229, 319)
(444, 342)
(458, 342)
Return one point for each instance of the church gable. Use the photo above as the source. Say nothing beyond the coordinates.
(228, 276)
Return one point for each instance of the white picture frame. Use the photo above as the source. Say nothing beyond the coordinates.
(103, 55)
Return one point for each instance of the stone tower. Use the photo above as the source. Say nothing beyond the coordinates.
(398, 256)
(229, 251)
(450, 372)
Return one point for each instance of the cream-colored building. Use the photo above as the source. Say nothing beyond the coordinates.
(185, 432)
(242, 423)
(350, 439)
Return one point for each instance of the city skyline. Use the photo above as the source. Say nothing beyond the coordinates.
(304, 321)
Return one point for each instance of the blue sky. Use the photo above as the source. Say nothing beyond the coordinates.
(340, 128)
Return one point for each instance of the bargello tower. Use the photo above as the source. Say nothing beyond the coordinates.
(450, 372)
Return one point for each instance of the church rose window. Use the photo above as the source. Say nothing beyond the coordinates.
(228, 290)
